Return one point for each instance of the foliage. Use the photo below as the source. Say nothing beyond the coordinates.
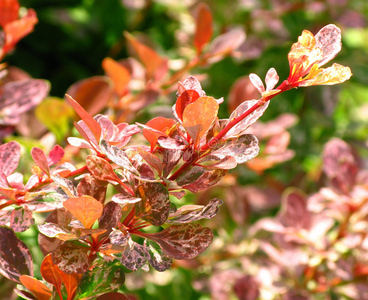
(113, 195)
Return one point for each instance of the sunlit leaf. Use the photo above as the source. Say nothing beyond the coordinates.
(204, 29)
(15, 258)
(90, 186)
(119, 75)
(51, 273)
(53, 230)
(85, 208)
(9, 11)
(187, 97)
(40, 159)
(71, 282)
(192, 213)
(151, 159)
(86, 117)
(183, 241)
(199, 116)
(101, 169)
(40, 290)
(66, 185)
(162, 125)
(155, 204)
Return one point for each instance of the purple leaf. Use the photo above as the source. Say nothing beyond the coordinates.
(155, 256)
(170, 159)
(92, 187)
(118, 238)
(183, 241)
(40, 159)
(21, 219)
(55, 155)
(155, 205)
(242, 126)
(133, 257)
(71, 258)
(9, 157)
(205, 180)
(111, 216)
(15, 258)
(192, 213)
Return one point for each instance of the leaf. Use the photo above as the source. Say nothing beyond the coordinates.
(151, 159)
(90, 186)
(66, 185)
(93, 93)
(53, 230)
(21, 219)
(114, 296)
(257, 82)
(55, 114)
(85, 208)
(9, 11)
(199, 116)
(227, 42)
(187, 97)
(87, 119)
(51, 273)
(155, 205)
(71, 258)
(105, 277)
(133, 256)
(40, 159)
(204, 28)
(20, 96)
(55, 155)
(193, 213)
(242, 149)
(118, 156)
(242, 126)
(329, 40)
(101, 169)
(157, 259)
(183, 241)
(271, 79)
(119, 75)
(15, 258)
(162, 127)
(111, 216)
(9, 157)
(117, 237)
(150, 59)
(24, 294)
(71, 282)
(40, 290)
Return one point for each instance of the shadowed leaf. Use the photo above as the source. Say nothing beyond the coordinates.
(111, 216)
(119, 75)
(133, 256)
(71, 258)
(155, 205)
(155, 256)
(15, 258)
(114, 296)
(85, 208)
(51, 273)
(90, 186)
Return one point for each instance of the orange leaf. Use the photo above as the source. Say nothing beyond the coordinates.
(37, 288)
(119, 75)
(161, 124)
(93, 93)
(184, 99)
(71, 282)
(204, 29)
(150, 59)
(51, 273)
(199, 116)
(86, 209)
(86, 117)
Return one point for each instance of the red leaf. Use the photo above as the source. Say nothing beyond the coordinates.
(40, 159)
(204, 28)
(151, 159)
(9, 11)
(93, 93)
(9, 157)
(101, 169)
(115, 296)
(199, 116)
(71, 282)
(15, 258)
(184, 99)
(86, 209)
(55, 155)
(119, 75)
(40, 290)
(183, 241)
(88, 120)
(92, 187)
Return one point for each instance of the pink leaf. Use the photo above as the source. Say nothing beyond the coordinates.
(40, 159)
(55, 155)
(9, 157)
(271, 79)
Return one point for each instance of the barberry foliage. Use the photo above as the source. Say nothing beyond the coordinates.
(109, 197)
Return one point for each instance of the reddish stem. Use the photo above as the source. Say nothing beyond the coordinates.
(284, 86)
